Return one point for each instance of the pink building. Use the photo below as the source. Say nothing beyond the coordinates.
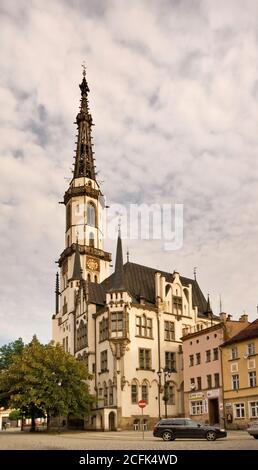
(203, 388)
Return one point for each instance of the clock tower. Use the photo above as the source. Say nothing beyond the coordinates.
(84, 203)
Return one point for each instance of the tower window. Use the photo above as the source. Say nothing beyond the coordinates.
(88, 277)
(95, 278)
(91, 214)
(91, 239)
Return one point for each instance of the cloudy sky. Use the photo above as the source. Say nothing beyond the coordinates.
(174, 99)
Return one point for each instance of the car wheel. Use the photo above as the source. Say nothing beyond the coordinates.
(168, 436)
(211, 436)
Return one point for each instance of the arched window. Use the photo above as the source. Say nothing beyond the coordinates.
(91, 239)
(91, 214)
(88, 277)
(95, 278)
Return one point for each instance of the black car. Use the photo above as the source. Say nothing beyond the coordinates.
(171, 428)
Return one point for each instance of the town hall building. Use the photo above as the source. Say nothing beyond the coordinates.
(127, 326)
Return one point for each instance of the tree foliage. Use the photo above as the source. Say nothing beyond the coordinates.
(8, 352)
(45, 380)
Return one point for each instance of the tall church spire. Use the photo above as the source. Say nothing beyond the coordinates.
(84, 161)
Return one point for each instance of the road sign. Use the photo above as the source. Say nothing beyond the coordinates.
(142, 403)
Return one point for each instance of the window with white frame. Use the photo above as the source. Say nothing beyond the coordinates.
(239, 410)
(197, 408)
(252, 378)
(144, 326)
(235, 382)
(234, 353)
(253, 409)
(250, 349)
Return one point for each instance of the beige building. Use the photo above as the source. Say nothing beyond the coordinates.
(128, 326)
(203, 384)
(240, 369)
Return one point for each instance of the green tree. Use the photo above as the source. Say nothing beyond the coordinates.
(8, 351)
(45, 380)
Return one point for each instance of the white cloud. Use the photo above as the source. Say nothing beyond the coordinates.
(174, 99)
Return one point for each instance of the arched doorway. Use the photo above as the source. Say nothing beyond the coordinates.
(111, 421)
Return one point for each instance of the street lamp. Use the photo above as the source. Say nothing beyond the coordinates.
(166, 374)
(59, 415)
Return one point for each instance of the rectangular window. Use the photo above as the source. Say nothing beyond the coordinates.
(197, 408)
(192, 383)
(215, 354)
(191, 360)
(111, 396)
(235, 382)
(144, 358)
(134, 394)
(252, 379)
(177, 305)
(103, 329)
(171, 395)
(169, 331)
(198, 358)
(239, 410)
(250, 349)
(170, 361)
(234, 353)
(144, 327)
(208, 355)
(216, 380)
(103, 361)
(66, 343)
(105, 396)
(117, 321)
(253, 409)
(145, 394)
(199, 383)
(209, 381)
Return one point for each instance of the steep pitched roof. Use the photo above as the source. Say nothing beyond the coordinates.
(250, 332)
(139, 281)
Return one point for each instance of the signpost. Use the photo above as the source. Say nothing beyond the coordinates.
(142, 404)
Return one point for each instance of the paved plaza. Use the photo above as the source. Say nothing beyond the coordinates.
(125, 440)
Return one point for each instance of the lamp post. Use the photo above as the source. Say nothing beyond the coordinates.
(59, 415)
(166, 374)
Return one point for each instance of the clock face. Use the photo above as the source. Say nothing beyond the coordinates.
(92, 264)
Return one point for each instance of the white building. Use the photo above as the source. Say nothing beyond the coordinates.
(127, 326)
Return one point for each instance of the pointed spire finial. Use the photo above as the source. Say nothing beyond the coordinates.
(84, 160)
(84, 69)
(119, 226)
(194, 271)
(127, 255)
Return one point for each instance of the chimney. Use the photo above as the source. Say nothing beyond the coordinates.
(244, 318)
(223, 317)
(229, 317)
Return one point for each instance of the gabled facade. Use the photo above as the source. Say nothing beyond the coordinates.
(127, 326)
(240, 377)
(203, 382)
